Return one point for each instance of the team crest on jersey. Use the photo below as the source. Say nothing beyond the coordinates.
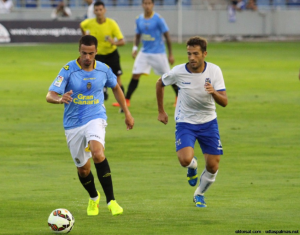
(58, 81)
(89, 85)
(207, 80)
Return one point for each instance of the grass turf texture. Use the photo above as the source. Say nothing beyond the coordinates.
(257, 187)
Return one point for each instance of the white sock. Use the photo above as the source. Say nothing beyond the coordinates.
(193, 164)
(206, 179)
(95, 198)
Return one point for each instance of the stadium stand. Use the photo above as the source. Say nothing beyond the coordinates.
(295, 3)
(279, 4)
(208, 4)
(263, 4)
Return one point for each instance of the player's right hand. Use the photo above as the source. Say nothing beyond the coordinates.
(134, 53)
(66, 98)
(163, 117)
(129, 121)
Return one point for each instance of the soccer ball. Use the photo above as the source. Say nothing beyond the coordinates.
(61, 221)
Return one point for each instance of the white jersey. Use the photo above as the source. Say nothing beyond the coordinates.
(90, 11)
(194, 104)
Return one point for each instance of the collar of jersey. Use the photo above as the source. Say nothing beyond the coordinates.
(150, 16)
(191, 72)
(80, 66)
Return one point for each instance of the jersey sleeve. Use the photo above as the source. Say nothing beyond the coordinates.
(137, 29)
(61, 81)
(84, 24)
(117, 31)
(111, 79)
(219, 84)
(168, 78)
(162, 25)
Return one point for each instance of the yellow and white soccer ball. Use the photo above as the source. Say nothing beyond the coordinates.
(61, 221)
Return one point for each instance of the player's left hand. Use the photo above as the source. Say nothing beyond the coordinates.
(171, 59)
(209, 88)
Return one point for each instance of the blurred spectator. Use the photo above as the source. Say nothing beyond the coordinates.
(90, 10)
(61, 11)
(238, 5)
(6, 6)
(251, 5)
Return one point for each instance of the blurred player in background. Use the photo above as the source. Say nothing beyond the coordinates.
(90, 10)
(150, 27)
(105, 30)
(201, 85)
(79, 86)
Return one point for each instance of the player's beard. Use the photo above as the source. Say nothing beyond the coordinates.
(87, 63)
(195, 65)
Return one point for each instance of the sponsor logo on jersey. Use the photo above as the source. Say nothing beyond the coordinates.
(85, 79)
(66, 67)
(58, 81)
(85, 100)
(89, 85)
(147, 37)
(207, 80)
(186, 83)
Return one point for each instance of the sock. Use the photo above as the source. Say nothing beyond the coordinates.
(206, 180)
(193, 164)
(131, 88)
(104, 176)
(122, 88)
(175, 88)
(89, 185)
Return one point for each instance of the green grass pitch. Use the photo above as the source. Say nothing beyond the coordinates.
(258, 184)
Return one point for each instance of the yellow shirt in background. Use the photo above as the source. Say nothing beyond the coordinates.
(101, 31)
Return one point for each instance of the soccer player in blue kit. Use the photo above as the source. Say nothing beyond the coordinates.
(150, 28)
(201, 85)
(79, 86)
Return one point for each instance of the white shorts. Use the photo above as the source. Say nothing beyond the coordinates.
(145, 61)
(78, 140)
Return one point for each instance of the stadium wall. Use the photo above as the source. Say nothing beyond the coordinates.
(194, 22)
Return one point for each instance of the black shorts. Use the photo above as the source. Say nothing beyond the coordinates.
(112, 60)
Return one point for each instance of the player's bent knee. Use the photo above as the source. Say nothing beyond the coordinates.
(184, 161)
(83, 172)
(98, 156)
(212, 168)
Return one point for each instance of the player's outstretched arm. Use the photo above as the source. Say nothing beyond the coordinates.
(169, 45)
(119, 95)
(54, 98)
(162, 115)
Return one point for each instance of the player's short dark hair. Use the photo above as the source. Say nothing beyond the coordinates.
(151, 0)
(197, 41)
(88, 40)
(99, 3)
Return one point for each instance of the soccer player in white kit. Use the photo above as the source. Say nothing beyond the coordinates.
(200, 85)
